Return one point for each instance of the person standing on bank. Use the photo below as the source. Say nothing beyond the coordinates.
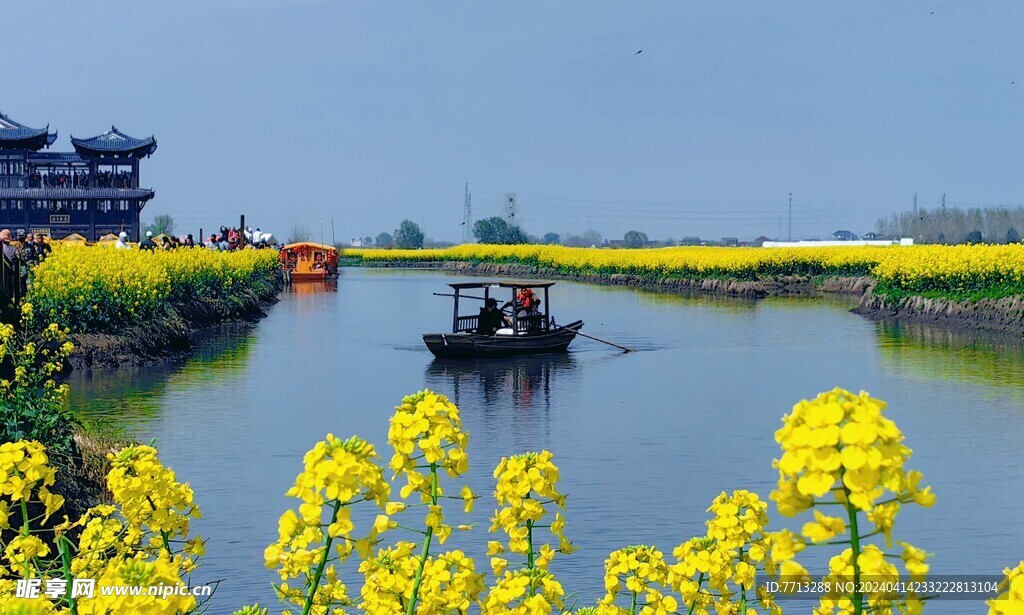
(43, 249)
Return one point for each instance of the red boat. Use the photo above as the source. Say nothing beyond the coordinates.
(309, 262)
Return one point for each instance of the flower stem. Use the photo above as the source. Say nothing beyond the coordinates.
(632, 605)
(743, 590)
(858, 596)
(529, 541)
(65, 561)
(320, 567)
(530, 562)
(700, 581)
(25, 531)
(425, 552)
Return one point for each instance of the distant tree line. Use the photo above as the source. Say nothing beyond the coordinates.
(497, 230)
(952, 225)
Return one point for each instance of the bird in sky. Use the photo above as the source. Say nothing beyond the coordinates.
(639, 52)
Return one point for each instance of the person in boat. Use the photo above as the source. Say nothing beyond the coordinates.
(491, 318)
(525, 302)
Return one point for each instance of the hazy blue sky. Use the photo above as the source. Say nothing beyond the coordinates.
(370, 112)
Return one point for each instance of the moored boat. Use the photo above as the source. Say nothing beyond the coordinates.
(309, 262)
(523, 329)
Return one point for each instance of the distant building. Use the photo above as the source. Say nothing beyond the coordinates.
(731, 242)
(92, 191)
(362, 242)
(690, 241)
(760, 240)
(871, 236)
(844, 236)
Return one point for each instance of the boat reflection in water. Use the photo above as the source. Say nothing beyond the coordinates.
(312, 288)
(527, 381)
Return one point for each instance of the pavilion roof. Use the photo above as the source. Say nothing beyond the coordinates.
(76, 193)
(114, 142)
(14, 135)
(43, 158)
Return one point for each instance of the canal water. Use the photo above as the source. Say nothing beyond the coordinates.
(644, 440)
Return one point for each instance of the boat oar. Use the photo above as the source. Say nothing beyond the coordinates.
(596, 339)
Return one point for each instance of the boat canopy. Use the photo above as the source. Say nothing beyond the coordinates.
(310, 244)
(503, 284)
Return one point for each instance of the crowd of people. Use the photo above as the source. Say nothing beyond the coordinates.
(28, 249)
(80, 179)
(228, 239)
(32, 248)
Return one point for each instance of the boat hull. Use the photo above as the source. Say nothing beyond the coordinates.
(309, 276)
(452, 345)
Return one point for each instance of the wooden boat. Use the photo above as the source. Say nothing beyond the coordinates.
(309, 262)
(528, 332)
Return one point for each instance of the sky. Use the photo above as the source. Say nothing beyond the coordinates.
(300, 113)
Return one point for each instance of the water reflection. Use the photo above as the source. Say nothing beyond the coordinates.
(974, 357)
(136, 393)
(645, 440)
(312, 288)
(526, 381)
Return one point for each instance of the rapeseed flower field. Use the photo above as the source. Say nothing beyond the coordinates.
(954, 271)
(99, 288)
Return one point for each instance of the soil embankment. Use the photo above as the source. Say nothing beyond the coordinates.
(1004, 315)
(793, 285)
(170, 335)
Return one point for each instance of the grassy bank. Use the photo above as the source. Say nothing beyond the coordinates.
(951, 272)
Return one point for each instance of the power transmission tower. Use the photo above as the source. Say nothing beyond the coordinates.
(790, 234)
(943, 200)
(467, 218)
(510, 207)
(915, 202)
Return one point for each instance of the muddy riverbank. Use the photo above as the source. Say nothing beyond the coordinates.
(171, 335)
(748, 289)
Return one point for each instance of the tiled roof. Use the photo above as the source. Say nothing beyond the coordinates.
(45, 157)
(115, 141)
(14, 131)
(76, 193)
